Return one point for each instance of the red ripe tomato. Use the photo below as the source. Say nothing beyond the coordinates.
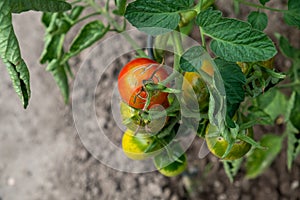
(131, 80)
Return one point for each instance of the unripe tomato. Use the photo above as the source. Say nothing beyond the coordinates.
(193, 84)
(134, 146)
(172, 161)
(131, 80)
(173, 169)
(218, 145)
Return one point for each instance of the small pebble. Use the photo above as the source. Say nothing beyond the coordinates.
(155, 189)
(174, 197)
(294, 185)
(11, 181)
(218, 187)
(167, 193)
(285, 188)
(222, 197)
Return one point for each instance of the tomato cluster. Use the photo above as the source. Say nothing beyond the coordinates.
(143, 110)
(147, 112)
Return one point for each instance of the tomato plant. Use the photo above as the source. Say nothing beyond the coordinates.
(231, 71)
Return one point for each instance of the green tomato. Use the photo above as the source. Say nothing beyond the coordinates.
(173, 169)
(217, 145)
(135, 145)
(172, 161)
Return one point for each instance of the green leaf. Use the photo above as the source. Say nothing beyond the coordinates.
(76, 11)
(258, 20)
(293, 148)
(249, 140)
(263, 2)
(191, 60)
(232, 168)
(156, 17)
(273, 103)
(235, 40)
(53, 48)
(11, 55)
(258, 116)
(292, 16)
(173, 152)
(87, 36)
(60, 77)
(121, 7)
(260, 159)
(18, 6)
(287, 49)
(46, 18)
(57, 27)
(290, 106)
(234, 80)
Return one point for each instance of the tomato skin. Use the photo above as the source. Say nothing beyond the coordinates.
(130, 82)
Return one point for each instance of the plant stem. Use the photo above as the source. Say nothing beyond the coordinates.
(178, 49)
(118, 28)
(74, 2)
(134, 44)
(202, 38)
(259, 6)
(86, 17)
(203, 4)
(295, 70)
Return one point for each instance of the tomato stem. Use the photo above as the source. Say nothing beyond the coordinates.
(178, 49)
(75, 2)
(295, 70)
(86, 17)
(202, 38)
(203, 4)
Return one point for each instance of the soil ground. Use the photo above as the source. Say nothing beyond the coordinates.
(42, 157)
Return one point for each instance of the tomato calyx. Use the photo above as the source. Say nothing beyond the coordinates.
(142, 121)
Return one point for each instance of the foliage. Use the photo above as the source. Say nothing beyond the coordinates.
(237, 68)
